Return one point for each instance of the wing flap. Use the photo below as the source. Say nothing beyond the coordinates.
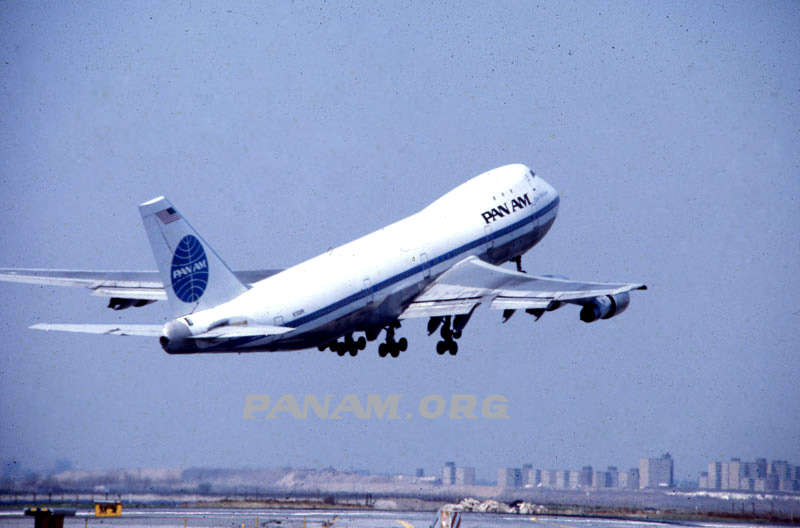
(439, 308)
(143, 330)
(519, 303)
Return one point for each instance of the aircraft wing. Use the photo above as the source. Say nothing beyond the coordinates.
(473, 281)
(144, 330)
(134, 285)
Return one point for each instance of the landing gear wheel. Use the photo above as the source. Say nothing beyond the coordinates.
(453, 348)
(353, 352)
(441, 348)
(395, 352)
(341, 351)
(402, 344)
(361, 343)
(383, 349)
(457, 334)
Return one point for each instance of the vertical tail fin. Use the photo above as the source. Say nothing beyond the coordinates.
(195, 277)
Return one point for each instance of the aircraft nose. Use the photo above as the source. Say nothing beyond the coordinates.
(176, 338)
(551, 194)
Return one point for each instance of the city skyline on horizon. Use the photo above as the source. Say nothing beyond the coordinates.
(67, 465)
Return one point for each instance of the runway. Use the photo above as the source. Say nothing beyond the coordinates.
(202, 518)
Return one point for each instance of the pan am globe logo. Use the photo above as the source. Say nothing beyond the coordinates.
(189, 269)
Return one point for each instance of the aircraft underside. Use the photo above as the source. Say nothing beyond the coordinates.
(338, 335)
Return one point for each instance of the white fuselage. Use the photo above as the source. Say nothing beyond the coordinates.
(366, 284)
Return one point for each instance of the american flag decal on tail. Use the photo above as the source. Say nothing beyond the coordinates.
(168, 215)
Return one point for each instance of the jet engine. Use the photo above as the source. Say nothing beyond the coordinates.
(605, 307)
(117, 303)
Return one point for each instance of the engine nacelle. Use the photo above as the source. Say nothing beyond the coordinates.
(117, 303)
(605, 307)
(177, 338)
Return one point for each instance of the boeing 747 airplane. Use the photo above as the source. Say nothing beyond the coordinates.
(440, 263)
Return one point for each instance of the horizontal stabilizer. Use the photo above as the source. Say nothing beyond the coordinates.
(225, 332)
(144, 330)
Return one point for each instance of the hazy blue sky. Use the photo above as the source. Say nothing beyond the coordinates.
(281, 129)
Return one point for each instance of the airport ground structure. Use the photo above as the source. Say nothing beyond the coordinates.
(330, 488)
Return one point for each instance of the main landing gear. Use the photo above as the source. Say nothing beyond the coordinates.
(347, 346)
(518, 261)
(351, 346)
(450, 332)
(449, 335)
(392, 347)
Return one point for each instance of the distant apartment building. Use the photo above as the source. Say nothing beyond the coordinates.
(505, 478)
(585, 477)
(449, 474)
(636, 477)
(735, 473)
(573, 479)
(725, 476)
(548, 478)
(606, 479)
(783, 469)
(533, 478)
(613, 477)
(629, 479)
(600, 479)
(509, 478)
(780, 475)
(526, 469)
(562, 479)
(656, 472)
(761, 468)
(465, 476)
(714, 475)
